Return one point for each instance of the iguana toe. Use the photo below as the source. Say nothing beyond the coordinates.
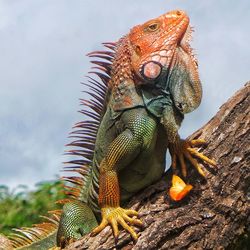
(184, 150)
(118, 216)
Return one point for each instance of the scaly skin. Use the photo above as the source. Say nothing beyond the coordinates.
(153, 82)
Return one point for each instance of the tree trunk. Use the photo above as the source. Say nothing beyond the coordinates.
(216, 213)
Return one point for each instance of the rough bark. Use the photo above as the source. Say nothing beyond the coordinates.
(216, 212)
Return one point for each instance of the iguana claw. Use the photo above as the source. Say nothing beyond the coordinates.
(185, 149)
(116, 216)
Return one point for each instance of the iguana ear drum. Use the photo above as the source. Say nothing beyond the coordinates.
(151, 70)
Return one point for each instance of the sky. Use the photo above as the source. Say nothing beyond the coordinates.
(43, 44)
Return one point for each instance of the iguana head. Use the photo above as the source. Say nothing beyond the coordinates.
(161, 55)
(156, 54)
(156, 40)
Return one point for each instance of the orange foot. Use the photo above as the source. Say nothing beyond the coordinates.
(185, 149)
(118, 216)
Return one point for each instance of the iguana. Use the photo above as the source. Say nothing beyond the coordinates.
(149, 80)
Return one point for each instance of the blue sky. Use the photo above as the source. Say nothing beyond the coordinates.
(42, 61)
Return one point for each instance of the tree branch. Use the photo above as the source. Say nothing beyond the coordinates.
(217, 211)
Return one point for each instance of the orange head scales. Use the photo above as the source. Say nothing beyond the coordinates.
(157, 39)
(156, 53)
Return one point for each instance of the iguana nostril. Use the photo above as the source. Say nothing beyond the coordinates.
(178, 13)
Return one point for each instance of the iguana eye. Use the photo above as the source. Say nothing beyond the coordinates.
(152, 27)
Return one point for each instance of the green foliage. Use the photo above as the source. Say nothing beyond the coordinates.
(22, 208)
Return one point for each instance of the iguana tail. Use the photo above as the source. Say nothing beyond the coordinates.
(40, 236)
(43, 236)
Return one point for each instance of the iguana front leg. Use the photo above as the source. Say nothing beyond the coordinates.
(183, 149)
(180, 150)
(121, 152)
